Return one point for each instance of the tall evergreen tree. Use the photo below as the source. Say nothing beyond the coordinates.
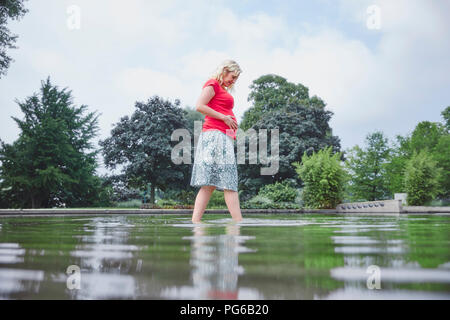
(52, 162)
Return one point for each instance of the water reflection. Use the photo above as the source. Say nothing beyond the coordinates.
(11, 253)
(105, 260)
(214, 262)
(291, 257)
(363, 245)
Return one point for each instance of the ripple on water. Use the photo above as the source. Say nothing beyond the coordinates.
(248, 222)
(13, 280)
(11, 253)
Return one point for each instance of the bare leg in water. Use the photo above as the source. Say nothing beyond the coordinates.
(202, 199)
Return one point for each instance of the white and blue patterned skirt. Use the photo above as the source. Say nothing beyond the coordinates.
(215, 162)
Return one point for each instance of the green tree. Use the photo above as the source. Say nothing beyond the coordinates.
(323, 178)
(367, 168)
(271, 92)
(433, 137)
(142, 145)
(426, 136)
(52, 162)
(421, 179)
(9, 9)
(193, 115)
(442, 156)
(446, 115)
(303, 125)
(301, 128)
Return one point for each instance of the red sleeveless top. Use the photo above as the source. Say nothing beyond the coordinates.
(222, 102)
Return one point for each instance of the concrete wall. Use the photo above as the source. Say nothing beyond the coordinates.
(386, 206)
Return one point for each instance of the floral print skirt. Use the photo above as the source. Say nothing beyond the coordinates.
(215, 162)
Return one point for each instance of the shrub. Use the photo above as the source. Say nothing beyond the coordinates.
(183, 197)
(217, 200)
(166, 203)
(134, 203)
(323, 178)
(262, 202)
(279, 192)
(421, 179)
(257, 202)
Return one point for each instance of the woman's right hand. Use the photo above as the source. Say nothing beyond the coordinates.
(229, 121)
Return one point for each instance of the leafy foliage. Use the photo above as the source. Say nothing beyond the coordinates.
(142, 145)
(323, 178)
(9, 9)
(279, 192)
(421, 179)
(271, 92)
(217, 200)
(52, 162)
(302, 122)
(367, 168)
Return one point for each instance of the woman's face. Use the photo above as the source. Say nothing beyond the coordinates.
(229, 78)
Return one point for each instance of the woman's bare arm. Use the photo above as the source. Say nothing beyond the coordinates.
(206, 95)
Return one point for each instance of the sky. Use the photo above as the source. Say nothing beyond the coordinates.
(377, 64)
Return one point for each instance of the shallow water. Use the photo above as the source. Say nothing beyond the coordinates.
(264, 257)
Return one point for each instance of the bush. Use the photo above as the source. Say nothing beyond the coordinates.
(166, 203)
(217, 201)
(421, 179)
(257, 202)
(135, 203)
(183, 197)
(262, 202)
(279, 192)
(323, 178)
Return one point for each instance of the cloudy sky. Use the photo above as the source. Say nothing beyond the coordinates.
(377, 64)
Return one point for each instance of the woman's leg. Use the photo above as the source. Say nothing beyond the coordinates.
(201, 201)
(232, 201)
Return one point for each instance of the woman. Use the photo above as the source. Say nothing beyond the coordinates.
(214, 163)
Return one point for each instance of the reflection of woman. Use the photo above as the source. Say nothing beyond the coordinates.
(215, 260)
(214, 163)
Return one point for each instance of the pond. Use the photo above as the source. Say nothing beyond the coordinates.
(308, 256)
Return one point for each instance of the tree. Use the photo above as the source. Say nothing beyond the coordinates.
(271, 92)
(367, 168)
(421, 179)
(395, 165)
(52, 162)
(446, 115)
(12, 9)
(301, 128)
(426, 136)
(442, 157)
(193, 115)
(303, 125)
(323, 178)
(433, 137)
(142, 144)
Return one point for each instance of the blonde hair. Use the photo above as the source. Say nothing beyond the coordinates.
(226, 66)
